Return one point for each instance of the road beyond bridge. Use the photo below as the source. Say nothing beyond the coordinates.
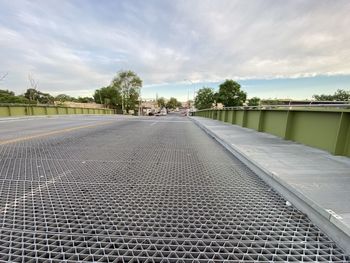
(133, 189)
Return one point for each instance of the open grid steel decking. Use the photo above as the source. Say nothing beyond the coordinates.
(145, 191)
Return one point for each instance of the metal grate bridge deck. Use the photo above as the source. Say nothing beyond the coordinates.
(144, 191)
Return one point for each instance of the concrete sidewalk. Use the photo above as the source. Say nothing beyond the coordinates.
(314, 181)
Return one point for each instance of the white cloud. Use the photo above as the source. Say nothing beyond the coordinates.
(79, 45)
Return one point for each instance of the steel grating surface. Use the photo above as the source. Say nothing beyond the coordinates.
(135, 192)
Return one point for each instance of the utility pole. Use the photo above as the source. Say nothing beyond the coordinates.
(188, 97)
(140, 102)
(188, 93)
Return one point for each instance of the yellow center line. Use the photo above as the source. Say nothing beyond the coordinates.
(53, 133)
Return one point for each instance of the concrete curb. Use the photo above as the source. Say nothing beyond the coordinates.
(333, 227)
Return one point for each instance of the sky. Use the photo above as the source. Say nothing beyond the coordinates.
(274, 49)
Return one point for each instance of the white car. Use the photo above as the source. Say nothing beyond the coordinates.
(163, 112)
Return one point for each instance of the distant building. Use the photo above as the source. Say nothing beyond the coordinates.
(187, 104)
(149, 106)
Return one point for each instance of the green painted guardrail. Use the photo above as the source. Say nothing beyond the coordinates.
(327, 129)
(8, 110)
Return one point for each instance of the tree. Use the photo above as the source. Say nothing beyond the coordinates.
(204, 98)
(109, 96)
(45, 98)
(6, 93)
(161, 102)
(40, 97)
(230, 94)
(255, 101)
(85, 99)
(130, 85)
(339, 95)
(65, 97)
(31, 94)
(7, 96)
(173, 103)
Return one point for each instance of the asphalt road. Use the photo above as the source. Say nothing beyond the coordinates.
(151, 189)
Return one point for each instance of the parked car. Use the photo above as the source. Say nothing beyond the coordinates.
(163, 112)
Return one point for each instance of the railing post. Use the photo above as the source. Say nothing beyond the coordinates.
(223, 115)
(226, 116)
(233, 120)
(244, 120)
(343, 137)
(288, 128)
(261, 121)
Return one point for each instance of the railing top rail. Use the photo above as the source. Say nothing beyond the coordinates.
(46, 105)
(262, 107)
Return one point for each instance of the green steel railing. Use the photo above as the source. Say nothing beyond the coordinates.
(326, 128)
(8, 110)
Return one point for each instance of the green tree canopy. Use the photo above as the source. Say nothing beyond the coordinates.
(7, 96)
(129, 85)
(161, 102)
(339, 95)
(109, 96)
(85, 99)
(6, 93)
(204, 98)
(38, 96)
(65, 97)
(173, 103)
(230, 94)
(255, 101)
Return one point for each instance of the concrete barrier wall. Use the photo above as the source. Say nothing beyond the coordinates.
(35, 110)
(324, 129)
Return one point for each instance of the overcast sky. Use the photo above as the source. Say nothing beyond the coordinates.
(273, 48)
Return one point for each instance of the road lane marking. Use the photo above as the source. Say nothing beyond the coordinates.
(52, 133)
(153, 123)
(27, 119)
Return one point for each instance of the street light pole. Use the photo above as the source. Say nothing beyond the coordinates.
(188, 97)
(140, 102)
(188, 93)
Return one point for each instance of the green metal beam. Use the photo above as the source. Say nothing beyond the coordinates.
(30, 110)
(327, 129)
